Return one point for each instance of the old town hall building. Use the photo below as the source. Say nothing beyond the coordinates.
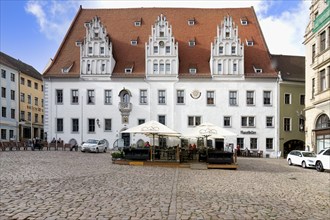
(117, 68)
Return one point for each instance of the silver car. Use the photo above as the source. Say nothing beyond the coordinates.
(94, 145)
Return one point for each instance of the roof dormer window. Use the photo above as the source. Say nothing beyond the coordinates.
(244, 21)
(257, 69)
(249, 42)
(192, 43)
(192, 70)
(137, 23)
(128, 70)
(191, 22)
(134, 42)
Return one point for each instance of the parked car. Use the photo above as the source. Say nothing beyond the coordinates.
(301, 158)
(323, 160)
(94, 145)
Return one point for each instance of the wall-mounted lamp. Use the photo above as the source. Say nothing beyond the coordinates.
(98, 122)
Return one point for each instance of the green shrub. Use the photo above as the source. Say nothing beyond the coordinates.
(117, 154)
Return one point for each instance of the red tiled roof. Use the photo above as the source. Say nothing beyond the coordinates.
(120, 27)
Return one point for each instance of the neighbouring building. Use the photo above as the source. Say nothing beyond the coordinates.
(291, 102)
(9, 100)
(29, 99)
(117, 68)
(317, 110)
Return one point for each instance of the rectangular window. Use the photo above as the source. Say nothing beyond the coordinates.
(253, 143)
(235, 67)
(313, 88)
(233, 50)
(287, 124)
(29, 83)
(88, 67)
(168, 67)
(103, 67)
(74, 96)
(22, 81)
(323, 82)
(162, 119)
(141, 121)
(161, 67)
(194, 120)
(3, 134)
(108, 97)
(12, 113)
(12, 77)
(240, 142)
(36, 118)
(11, 134)
(269, 121)
(221, 50)
(42, 102)
(250, 97)
(4, 112)
(90, 50)
(3, 92)
(102, 50)
(192, 70)
(180, 97)
(91, 125)
(269, 144)
(155, 49)
(322, 41)
(22, 117)
(287, 98)
(227, 121)
(161, 97)
(155, 67)
(313, 52)
(29, 99)
(42, 88)
(3, 74)
(210, 97)
(107, 124)
(302, 99)
(36, 101)
(168, 49)
(75, 125)
(232, 98)
(219, 67)
(267, 98)
(59, 124)
(90, 97)
(42, 119)
(248, 121)
(59, 96)
(12, 94)
(29, 116)
(36, 86)
(143, 96)
(22, 97)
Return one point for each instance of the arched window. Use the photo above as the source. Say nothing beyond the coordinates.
(323, 122)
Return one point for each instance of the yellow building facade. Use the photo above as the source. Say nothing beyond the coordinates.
(31, 106)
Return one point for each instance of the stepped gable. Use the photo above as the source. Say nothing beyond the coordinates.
(121, 30)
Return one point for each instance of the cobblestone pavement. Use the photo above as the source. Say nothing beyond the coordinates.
(75, 185)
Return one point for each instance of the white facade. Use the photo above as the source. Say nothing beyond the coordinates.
(9, 103)
(317, 108)
(94, 106)
(176, 114)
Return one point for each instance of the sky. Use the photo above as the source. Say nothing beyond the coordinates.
(32, 30)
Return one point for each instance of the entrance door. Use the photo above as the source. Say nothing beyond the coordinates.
(127, 139)
(219, 144)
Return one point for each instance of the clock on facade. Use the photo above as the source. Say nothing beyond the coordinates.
(161, 43)
(195, 94)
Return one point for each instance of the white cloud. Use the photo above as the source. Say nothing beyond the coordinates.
(283, 33)
(53, 17)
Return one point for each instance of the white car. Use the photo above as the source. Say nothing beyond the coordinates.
(301, 158)
(323, 160)
(94, 145)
